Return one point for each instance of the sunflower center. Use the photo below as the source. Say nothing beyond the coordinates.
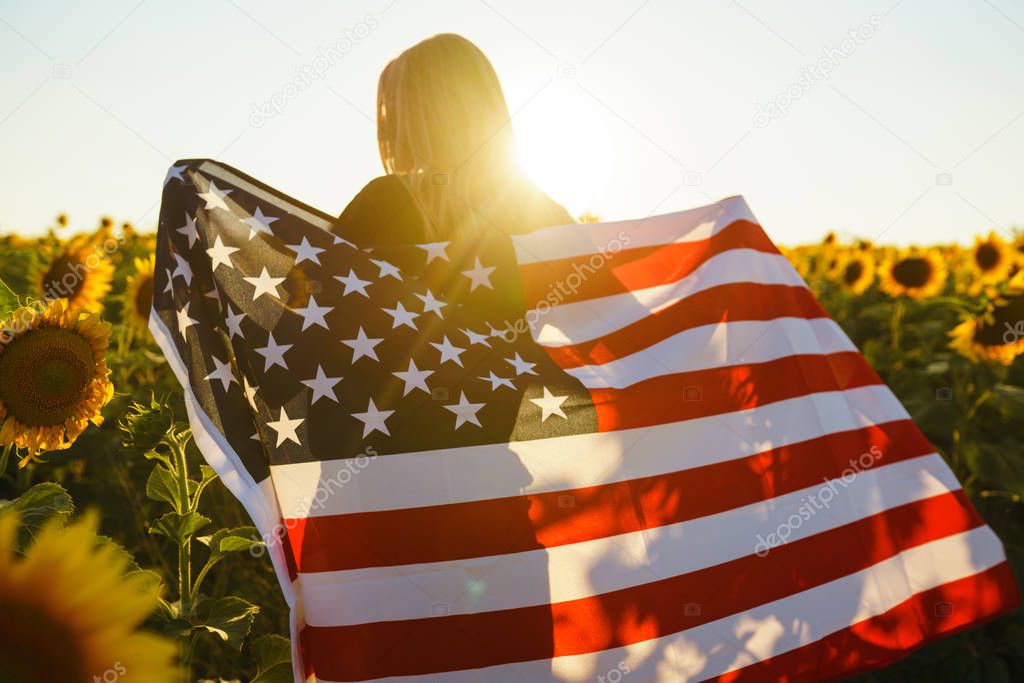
(853, 272)
(144, 298)
(986, 256)
(64, 277)
(44, 375)
(913, 271)
(34, 648)
(1008, 317)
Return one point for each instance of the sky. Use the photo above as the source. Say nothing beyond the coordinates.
(899, 121)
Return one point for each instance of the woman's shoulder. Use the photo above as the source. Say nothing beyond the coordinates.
(383, 211)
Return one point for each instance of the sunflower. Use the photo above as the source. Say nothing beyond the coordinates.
(991, 259)
(856, 272)
(53, 377)
(996, 336)
(140, 294)
(69, 612)
(80, 273)
(914, 273)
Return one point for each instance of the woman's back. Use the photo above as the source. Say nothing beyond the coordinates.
(384, 212)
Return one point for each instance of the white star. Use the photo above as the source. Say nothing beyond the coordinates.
(430, 304)
(373, 420)
(479, 276)
(183, 269)
(259, 222)
(402, 316)
(234, 321)
(185, 322)
(189, 230)
(250, 392)
(264, 284)
(304, 251)
(414, 378)
(387, 269)
(222, 372)
(342, 240)
(174, 173)
(498, 381)
(313, 314)
(322, 386)
(435, 250)
(522, 367)
(465, 411)
(170, 276)
(506, 335)
(353, 283)
(285, 428)
(362, 346)
(449, 351)
(220, 253)
(476, 337)
(273, 353)
(549, 405)
(215, 197)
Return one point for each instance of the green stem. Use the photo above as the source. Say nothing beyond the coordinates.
(185, 549)
(895, 322)
(199, 580)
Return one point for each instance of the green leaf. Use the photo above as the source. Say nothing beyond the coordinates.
(157, 455)
(998, 464)
(1009, 399)
(273, 655)
(233, 540)
(229, 617)
(177, 527)
(37, 506)
(8, 301)
(196, 487)
(162, 485)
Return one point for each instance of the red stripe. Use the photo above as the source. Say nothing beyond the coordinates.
(883, 639)
(725, 303)
(714, 391)
(544, 520)
(631, 615)
(578, 278)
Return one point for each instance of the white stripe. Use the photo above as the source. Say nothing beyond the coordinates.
(580, 321)
(258, 498)
(455, 475)
(716, 346)
(603, 565)
(285, 204)
(762, 632)
(566, 241)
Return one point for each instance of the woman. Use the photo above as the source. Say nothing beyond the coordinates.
(446, 142)
(453, 176)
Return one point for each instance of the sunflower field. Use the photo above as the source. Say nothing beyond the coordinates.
(118, 539)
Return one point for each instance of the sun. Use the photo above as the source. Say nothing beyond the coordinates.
(564, 148)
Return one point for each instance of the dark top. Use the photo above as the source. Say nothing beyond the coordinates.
(385, 213)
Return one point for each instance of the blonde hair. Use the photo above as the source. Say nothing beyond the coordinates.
(444, 128)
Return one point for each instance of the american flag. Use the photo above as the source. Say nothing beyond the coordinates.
(634, 451)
